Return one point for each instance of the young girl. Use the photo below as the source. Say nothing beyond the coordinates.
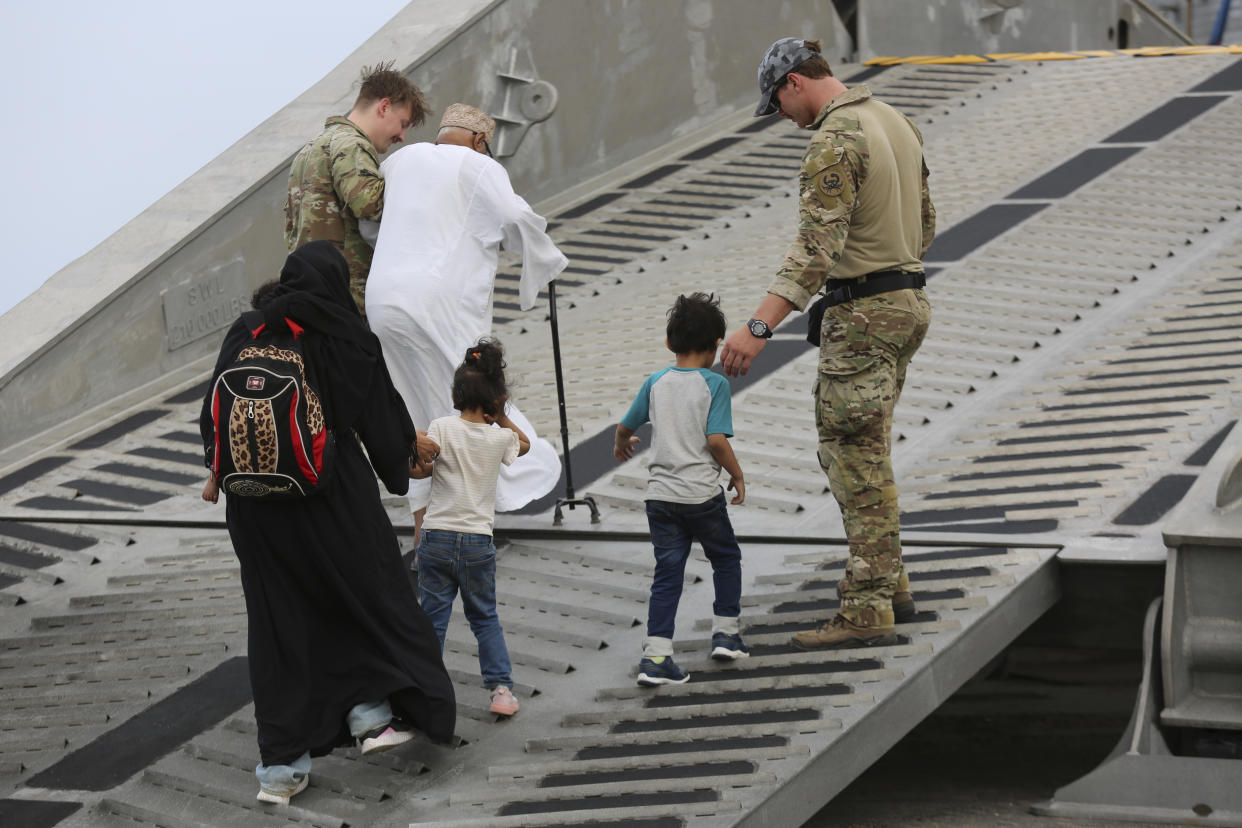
(456, 552)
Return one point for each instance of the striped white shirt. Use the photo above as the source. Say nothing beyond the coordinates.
(463, 480)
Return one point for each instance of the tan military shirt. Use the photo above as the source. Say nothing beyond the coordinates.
(863, 200)
(334, 181)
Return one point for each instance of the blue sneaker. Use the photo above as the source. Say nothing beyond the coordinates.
(652, 672)
(727, 647)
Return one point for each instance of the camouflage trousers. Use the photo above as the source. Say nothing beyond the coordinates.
(866, 346)
(358, 289)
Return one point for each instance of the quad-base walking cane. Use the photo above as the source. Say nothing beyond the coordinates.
(569, 499)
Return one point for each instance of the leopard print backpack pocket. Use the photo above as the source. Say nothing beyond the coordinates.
(271, 439)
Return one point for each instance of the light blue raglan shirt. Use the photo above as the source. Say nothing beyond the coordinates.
(684, 405)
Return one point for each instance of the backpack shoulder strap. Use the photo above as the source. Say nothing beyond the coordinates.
(253, 321)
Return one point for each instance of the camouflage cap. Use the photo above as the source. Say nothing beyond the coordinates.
(782, 57)
(468, 117)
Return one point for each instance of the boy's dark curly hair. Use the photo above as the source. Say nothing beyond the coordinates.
(479, 381)
(695, 323)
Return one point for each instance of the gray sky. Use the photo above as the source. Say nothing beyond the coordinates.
(108, 106)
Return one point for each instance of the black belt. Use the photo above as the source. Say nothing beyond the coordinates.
(843, 290)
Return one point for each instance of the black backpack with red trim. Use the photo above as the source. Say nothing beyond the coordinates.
(271, 436)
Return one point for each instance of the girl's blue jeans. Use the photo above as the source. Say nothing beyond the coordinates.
(453, 561)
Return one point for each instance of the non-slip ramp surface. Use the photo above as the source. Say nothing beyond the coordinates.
(720, 748)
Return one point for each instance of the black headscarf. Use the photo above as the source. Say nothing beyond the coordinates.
(343, 354)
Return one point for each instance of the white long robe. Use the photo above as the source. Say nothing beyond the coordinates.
(447, 209)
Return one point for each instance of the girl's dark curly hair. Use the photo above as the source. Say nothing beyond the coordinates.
(479, 381)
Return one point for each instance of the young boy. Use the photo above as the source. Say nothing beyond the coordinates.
(691, 415)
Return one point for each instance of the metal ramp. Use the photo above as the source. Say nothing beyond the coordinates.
(735, 744)
(765, 740)
(1025, 427)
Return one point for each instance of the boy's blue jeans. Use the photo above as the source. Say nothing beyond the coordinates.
(673, 527)
(449, 561)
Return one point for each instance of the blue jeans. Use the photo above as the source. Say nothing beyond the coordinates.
(673, 527)
(282, 779)
(449, 561)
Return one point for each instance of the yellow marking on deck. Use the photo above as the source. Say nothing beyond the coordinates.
(1146, 51)
(1037, 56)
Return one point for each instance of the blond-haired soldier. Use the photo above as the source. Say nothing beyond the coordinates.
(335, 179)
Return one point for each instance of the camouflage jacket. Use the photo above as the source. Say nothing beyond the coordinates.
(840, 234)
(334, 181)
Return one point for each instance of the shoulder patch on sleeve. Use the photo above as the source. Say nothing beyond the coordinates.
(821, 158)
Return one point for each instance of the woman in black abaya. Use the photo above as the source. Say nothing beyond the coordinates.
(338, 646)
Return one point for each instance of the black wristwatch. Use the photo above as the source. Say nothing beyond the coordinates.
(759, 328)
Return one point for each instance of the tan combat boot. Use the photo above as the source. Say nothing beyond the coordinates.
(903, 602)
(841, 633)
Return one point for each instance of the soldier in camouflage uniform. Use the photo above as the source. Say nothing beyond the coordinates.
(865, 221)
(335, 179)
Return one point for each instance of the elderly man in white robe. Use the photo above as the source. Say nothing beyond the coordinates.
(448, 206)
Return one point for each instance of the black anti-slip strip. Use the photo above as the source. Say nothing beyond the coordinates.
(1228, 79)
(1207, 451)
(759, 717)
(761, 124)
(34, 813)
(192, 438)
(1111, 418)
(1008, 527)
(866, 74)
(557, 780)
(698, 745)
(65, 504)
(112, 432)
(26, 560)
(1155, 503)
(1086, 435)
(1094, 467)
(631, 800)
(651, 177)
(115, 491)
(736, 696)
(966, 236)
(169, 455)
(45, 536)
(1074, 173)
(588, 206)
(778, 670)
(1086, 451)
(194, 394)
(708, 150)
(1164, 119)
(29, 472)
(1126, 403)
(915, 518)
(145, 473)
(655, 822)
(128, 748)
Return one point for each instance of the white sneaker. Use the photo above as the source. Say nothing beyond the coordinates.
(382, 738)
(282, 799)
